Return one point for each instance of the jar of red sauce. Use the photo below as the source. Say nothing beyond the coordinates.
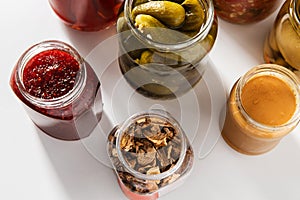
(60, 90)
(86, 15)
(245, 11)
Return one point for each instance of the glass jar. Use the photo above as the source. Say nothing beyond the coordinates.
(162, 51)
(86, 15)
(282, 46)
(245, 11)
(262, 108)
(150, 154)
(60, 90)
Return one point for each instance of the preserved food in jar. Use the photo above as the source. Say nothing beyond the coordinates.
(245, 11)
(86, 15)
(163, 44)
(60, 90)
(282, 46)
(262, 108)
(150, 154)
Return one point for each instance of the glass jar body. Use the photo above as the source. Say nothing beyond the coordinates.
(76, 114)
(242, 132)
(143, 185)
(86, 15)
(160, 69)
(283, 42)
(245, 11)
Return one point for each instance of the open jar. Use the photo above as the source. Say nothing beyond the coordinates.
(262, 108)
(86, 15)
(245, 11)
(163, 44)
(282, 46)
(60, 90)
(150, 154)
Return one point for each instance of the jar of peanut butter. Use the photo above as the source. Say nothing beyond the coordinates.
(262, 108)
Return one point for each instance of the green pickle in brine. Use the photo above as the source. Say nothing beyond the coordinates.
(282, 46)
(163, 43)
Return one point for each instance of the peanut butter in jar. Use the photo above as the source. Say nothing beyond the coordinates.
(262, 108)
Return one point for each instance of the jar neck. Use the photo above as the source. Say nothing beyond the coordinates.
(294, 12)
(166, 47)
(61, 101)
(155, 114)
(270, 70)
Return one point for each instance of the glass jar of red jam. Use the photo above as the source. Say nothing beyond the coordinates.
(86, 15)
(245, 11)
(60, 90)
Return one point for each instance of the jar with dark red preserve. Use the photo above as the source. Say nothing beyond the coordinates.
(60, 90)
(245, 11)
(86, 15)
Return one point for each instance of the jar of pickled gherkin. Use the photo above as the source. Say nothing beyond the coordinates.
(245, 11)
(150, 154)
(282, 46)
(163, 44)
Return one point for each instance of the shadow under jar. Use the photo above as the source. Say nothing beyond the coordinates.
(86, 15)
(245, 11)
(150, 154)
(282, 46)
(60, 90)
(163, 44)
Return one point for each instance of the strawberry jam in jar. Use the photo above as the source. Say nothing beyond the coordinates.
(86, 15)
(60, 90)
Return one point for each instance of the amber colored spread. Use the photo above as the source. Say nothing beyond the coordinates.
(268, 100)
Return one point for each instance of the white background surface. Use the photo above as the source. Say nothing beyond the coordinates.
(35, 166)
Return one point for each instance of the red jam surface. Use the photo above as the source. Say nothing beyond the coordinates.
(50, 74)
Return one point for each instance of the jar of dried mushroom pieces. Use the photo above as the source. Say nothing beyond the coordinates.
(162, 44)
(282, 46)
(151, 155)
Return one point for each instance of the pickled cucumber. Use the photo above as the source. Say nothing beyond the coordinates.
(166, 58)
(143, 21)
(156, 31)
(169, 13)
(194, 16)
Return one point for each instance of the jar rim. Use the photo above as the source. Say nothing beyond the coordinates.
(277, 71)
(294, 13)
(157, 113)
(63, 100)
(204, 30)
